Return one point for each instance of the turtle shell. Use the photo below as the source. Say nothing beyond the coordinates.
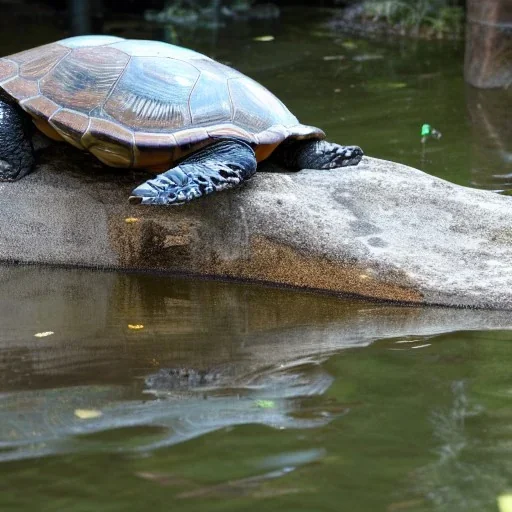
(143, 103)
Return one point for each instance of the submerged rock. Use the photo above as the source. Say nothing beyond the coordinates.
(380, 230)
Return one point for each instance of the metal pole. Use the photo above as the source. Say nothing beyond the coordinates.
(80, 19)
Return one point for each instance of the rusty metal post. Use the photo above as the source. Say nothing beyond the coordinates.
(488, 61)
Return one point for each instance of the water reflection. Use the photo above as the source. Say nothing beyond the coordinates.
(491, 130)
(184, 356)
(459, 479)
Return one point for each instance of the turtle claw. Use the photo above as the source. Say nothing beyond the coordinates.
(171, 188)
(343, 156)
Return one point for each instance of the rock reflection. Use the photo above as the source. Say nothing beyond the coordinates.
(206, 355)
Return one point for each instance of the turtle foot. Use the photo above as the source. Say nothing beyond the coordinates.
(173, 187)
(316, 154)
(217, 167)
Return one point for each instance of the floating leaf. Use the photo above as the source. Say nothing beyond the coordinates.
(87, 414)
(349, 45)
(263, 39)
(387, 86)
(265, 404)
(505, 503)
(334, 57)
(135, 327)
(368, 56)
(43, 334)
(131, 220)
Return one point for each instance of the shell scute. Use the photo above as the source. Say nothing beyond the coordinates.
(84, 79)
(153, 93)
(39, 107)
(230, 130)
(87, 41)
(109, 142)
(154, 150)
(70, 125)
(190, 137)
(20, 88)
(255, 108)
(8, 70)
(35, 63)
(210, 102)
(140, 48)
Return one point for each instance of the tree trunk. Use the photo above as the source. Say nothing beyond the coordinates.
(488, 60)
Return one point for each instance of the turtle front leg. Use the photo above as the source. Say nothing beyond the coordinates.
(217, 167)
(16, 151)
(316, 154)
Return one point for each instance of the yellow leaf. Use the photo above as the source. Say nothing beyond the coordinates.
(87, 414)
(505, 503)
(263, 39)
(349, 45)
(135, 327)
(43, 334)
(265, 404)
(131, 220)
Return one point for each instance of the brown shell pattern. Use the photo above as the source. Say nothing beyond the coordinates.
(143, 103)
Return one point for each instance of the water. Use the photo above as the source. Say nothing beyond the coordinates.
(277, 398)
(152, 392)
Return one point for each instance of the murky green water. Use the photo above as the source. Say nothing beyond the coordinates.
(149, 392)
(153, 393)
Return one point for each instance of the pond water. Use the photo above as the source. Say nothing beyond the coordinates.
(136, 391)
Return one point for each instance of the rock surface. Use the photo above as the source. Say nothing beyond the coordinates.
(379, 230)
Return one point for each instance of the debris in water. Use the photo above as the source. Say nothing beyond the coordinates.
(265, 404)
(263, 39)
(505, 503)
(43, 334)
(334, 57)
(87, 414)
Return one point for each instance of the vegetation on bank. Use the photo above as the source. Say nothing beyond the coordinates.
(418, 18)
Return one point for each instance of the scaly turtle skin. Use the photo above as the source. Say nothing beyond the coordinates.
(152, 105)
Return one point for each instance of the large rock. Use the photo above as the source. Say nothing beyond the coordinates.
(379, 230)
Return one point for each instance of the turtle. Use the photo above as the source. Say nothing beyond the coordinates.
(198, 125)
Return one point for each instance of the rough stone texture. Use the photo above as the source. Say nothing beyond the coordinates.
(379, 230)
